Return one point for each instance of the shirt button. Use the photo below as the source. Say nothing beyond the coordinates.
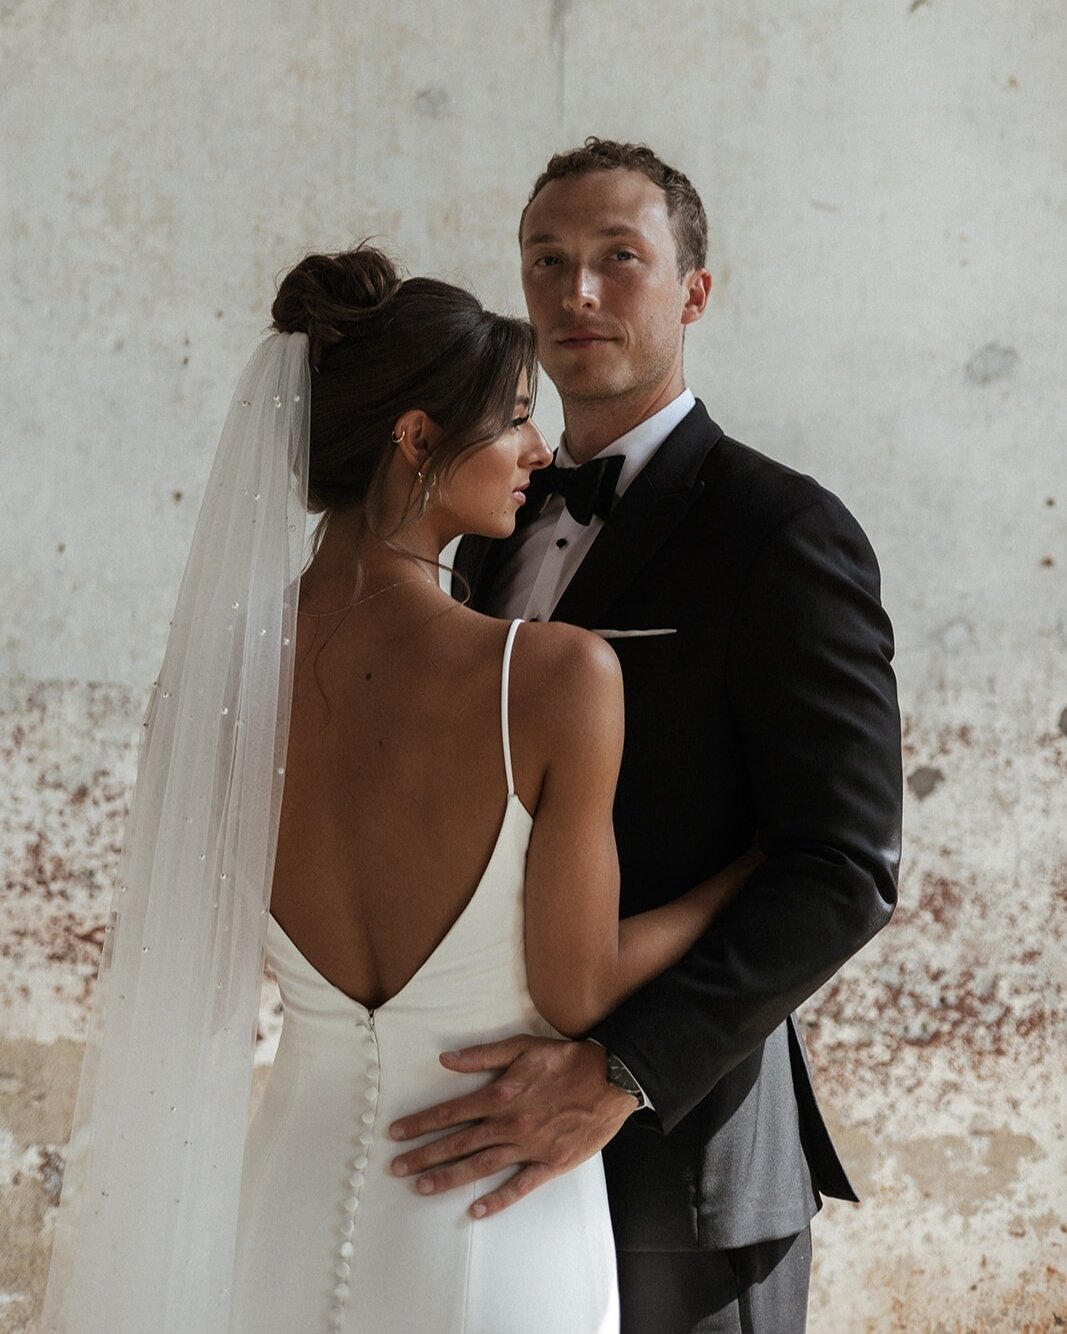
(561, 543)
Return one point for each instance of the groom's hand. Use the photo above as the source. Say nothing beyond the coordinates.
(550, 1109)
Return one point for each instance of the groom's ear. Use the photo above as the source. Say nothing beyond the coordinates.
(697, 288)
(415, 435)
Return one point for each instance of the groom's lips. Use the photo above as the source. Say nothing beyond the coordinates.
(583, 338)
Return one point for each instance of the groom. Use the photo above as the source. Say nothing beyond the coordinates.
(743, 602)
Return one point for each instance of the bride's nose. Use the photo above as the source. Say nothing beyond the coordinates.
(538, 454)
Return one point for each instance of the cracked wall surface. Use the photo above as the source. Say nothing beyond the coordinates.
(885, 187)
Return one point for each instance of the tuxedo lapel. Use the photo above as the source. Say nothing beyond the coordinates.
(653, 505)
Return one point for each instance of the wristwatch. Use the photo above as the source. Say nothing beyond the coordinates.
(620, 1077)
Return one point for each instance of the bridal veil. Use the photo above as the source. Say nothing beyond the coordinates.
(147, 1223)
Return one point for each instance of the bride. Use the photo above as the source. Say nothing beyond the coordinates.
(406, 805)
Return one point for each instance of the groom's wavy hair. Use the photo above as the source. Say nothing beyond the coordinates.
(379, 345)
(689, 223)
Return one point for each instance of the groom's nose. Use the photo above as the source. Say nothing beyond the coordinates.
(582, 291)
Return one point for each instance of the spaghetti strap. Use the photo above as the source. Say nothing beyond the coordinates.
(504, 729)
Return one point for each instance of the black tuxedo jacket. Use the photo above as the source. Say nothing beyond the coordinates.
(771, 712)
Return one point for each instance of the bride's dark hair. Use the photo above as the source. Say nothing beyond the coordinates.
(380, 345)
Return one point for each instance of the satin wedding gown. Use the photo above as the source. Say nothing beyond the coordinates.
(328, 1239)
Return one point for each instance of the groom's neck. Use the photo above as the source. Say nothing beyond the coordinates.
(591, 424)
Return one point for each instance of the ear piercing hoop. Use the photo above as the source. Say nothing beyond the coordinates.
(420, 475)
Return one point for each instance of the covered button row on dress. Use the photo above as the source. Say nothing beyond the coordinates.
(365, 1111)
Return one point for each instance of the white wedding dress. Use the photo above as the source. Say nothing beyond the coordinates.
(328, 1239)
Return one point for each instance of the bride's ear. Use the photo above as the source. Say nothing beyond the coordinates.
(415, 435)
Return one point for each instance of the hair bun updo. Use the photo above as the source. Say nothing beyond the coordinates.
(324, 296)
(380, 347)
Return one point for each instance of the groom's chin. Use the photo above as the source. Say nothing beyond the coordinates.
(588, 385)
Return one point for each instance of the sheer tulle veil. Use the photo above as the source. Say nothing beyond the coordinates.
(146, 1228)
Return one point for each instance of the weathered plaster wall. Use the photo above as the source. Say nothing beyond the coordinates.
(885, 183)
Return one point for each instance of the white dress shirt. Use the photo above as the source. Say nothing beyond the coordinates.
(532, 580)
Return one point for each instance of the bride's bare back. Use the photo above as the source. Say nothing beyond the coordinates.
(395, 793)
(395, 787)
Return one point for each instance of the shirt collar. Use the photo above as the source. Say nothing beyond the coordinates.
(638, 446)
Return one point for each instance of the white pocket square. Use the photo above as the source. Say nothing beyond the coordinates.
(631, 634)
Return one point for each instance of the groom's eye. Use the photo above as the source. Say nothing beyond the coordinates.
(546, 261)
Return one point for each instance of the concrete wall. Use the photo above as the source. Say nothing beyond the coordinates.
(885, 183)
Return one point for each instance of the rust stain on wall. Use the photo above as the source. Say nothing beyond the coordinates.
(68, 754)
(938, 1050)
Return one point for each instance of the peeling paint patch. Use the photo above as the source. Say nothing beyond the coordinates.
(50, 1173)
(36, 1106)
(69, 753)
(1063, 722)
(992, 362)
(924, 780)
(938, 1051)
(433, 101)
(965, 1170)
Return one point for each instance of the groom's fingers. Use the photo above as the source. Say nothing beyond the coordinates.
(440, 1117)
(513, 1190)
(490, 1055)
(550, 1110)
(492, 1100)
(449, 1149)
(463, 1171)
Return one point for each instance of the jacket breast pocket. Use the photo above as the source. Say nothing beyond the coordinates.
(648, 660)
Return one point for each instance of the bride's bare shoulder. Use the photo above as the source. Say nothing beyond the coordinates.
(576, 668)
(565, 703)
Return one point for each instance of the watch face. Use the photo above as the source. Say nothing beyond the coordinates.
(620, 1077)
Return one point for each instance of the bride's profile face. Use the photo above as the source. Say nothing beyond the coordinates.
(487, 488)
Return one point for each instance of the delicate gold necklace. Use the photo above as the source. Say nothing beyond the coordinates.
(360, 601)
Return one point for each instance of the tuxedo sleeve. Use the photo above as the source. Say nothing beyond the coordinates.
(813, 706)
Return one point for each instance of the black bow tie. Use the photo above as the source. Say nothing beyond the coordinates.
(586, 491)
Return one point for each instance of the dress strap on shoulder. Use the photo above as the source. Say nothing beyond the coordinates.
(505, 730)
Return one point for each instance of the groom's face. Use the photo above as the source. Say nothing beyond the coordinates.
(600, 274)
